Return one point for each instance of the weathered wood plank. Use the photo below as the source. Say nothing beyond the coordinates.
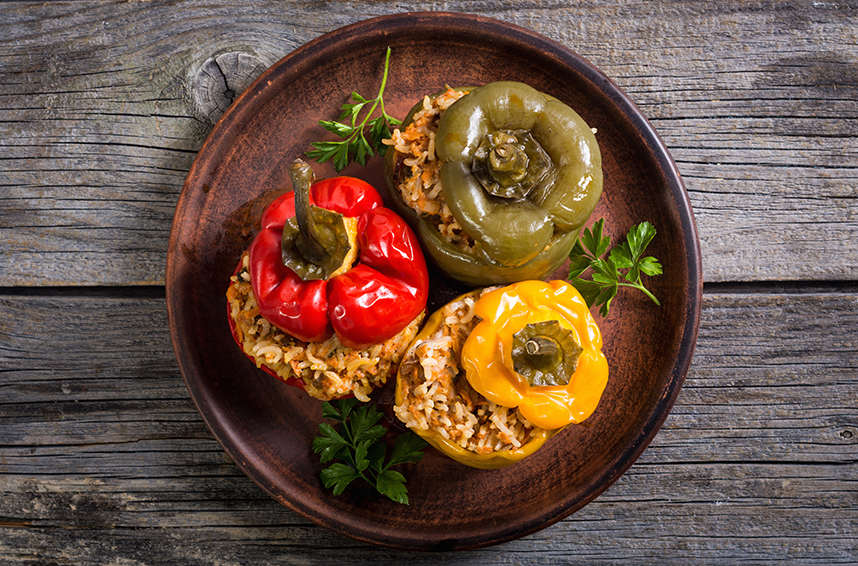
(104, 105)
(104, 460)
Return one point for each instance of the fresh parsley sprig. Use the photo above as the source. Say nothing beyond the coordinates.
(355, 143)
(607, 278)
(362, 453)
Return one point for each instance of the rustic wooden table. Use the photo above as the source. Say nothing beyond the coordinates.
(103, 457)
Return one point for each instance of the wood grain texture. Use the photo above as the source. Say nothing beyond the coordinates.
(104, 459)
(100, 119)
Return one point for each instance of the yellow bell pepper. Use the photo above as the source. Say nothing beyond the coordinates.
(492, 460)
(489, 359)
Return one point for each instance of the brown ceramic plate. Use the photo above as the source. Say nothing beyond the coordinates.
(267, 427)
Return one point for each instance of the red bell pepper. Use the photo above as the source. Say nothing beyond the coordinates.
(366, 304)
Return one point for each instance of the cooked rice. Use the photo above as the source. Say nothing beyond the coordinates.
(437, 396)
(419, 170)
(328, 369)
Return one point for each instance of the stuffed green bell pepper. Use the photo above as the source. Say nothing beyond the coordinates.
(496, 181)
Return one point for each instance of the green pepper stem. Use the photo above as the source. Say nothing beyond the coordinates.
(316, 243)
(543, 352)
(302, 179)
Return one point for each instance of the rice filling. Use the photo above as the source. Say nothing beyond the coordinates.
(328, 369)
(420, 171)
(436, 395)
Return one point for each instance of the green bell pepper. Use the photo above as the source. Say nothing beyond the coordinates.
(521, 173)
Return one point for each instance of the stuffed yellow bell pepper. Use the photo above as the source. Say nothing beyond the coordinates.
(497, 372)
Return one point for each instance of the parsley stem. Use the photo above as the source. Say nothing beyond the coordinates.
(642, 288)
(383, 83)
(378, 99)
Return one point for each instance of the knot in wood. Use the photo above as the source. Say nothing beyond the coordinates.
(221, 79)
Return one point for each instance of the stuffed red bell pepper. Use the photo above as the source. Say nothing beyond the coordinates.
(332, 289)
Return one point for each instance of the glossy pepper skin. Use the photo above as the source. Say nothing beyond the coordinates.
(368, 303)
(491, 461)
(522, 232)
(487, 354)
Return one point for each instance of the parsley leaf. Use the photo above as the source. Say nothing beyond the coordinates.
(362, 453)
(338, 476)
(606, 278)
(355, 144)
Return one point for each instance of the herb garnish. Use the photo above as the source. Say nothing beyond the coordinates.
(607, 277)
(359, 446)
(355, 144)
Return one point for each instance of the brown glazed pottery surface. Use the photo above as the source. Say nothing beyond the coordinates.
(267, 427)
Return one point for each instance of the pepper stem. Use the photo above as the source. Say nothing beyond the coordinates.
(507, 159)
(317, 243)
(510, 163)
(545, 353)
(302, 179)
